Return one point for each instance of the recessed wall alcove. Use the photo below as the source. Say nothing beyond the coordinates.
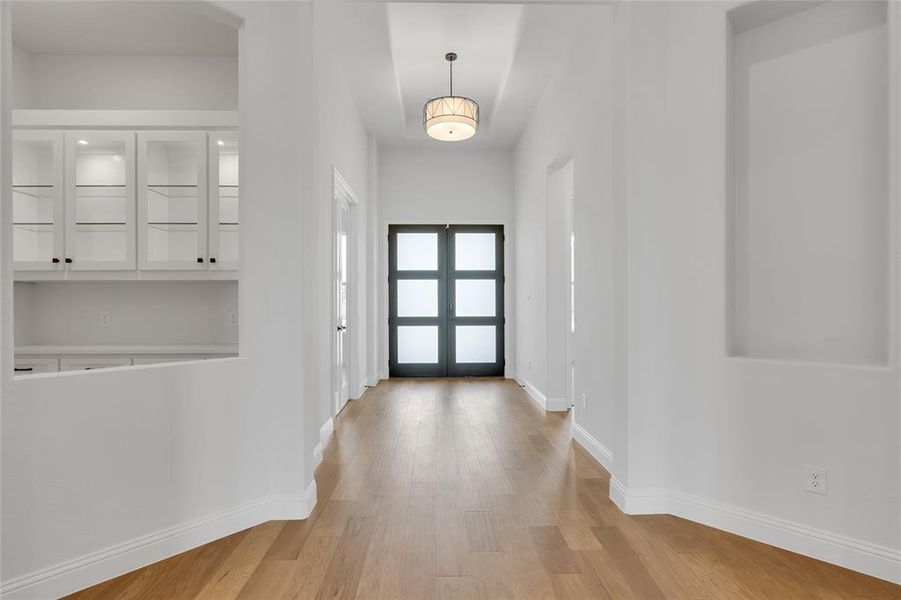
(809, 195)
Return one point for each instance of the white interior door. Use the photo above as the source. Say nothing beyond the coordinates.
(342, 335)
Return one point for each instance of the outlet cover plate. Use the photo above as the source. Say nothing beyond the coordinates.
(815, 480)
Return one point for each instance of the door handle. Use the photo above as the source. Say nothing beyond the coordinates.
(341, 328)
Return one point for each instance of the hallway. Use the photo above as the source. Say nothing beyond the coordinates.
(464, 489)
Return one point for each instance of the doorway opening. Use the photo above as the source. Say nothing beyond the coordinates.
(561, 286)
(343, 294)
(446, 300)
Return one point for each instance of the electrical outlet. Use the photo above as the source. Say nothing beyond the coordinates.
(584, 401)
(105, 318)
(815, 480)
(233, 318)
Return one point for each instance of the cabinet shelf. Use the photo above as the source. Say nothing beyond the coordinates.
(20, 190)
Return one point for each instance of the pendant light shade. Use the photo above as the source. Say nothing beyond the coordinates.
(451, 118)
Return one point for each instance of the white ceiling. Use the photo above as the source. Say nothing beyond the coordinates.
(392, 55)
(111, 27)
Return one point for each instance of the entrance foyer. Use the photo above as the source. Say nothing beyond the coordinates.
(464, 489)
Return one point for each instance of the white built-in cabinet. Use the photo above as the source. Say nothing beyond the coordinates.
(223, 206)
(99, 201)
(37, 200)
(125, 203)
(172, 200)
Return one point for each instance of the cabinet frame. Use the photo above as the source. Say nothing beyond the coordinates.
(73, 262)
(199, 140)
(213, 194)
(58, 181)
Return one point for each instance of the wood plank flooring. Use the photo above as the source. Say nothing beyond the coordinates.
(464, 489)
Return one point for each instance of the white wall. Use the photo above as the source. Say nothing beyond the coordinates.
(94, 460)
(145, 312)
(127, 82)
(571, 121)
(692, 431)
(731, 432)
(443, 184)
(343, 145)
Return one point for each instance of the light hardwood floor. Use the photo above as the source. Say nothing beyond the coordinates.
(464, 489)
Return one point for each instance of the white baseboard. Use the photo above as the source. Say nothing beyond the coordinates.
(325, 434)
(543, 402)
(618, 494)
(557, 405)
(596, 449)
(93, 568)
(872, 559)
(531, 391)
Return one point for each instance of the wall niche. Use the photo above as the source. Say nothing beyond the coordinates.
(809, 195)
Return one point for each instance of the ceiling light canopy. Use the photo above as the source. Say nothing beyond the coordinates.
(451, 118)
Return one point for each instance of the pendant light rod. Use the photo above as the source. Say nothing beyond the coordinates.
(450, 57)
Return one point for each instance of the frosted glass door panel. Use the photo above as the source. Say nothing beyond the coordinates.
(417, 344)
(417, 298)
(224, 200)
(101, 205)
(417, 251)
(37, 200)
(474, 251)
(171, 175)
(475, 298)
(476, 313)
(476, 344)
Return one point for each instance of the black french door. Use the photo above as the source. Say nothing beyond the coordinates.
(446, 300)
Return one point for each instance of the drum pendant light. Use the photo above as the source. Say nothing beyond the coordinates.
(451, 118)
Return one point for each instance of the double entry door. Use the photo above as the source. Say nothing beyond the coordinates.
(446, 300)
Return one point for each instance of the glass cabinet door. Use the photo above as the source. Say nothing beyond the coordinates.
(100, 200)
(37, 200)
(172, 200)
(224, 194)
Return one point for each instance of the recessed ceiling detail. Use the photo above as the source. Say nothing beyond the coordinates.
(390, 52)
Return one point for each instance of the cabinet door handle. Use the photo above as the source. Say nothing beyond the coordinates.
(199, 260)
(212, 259)
(22, 369)
(54, 260)
(68, 261)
